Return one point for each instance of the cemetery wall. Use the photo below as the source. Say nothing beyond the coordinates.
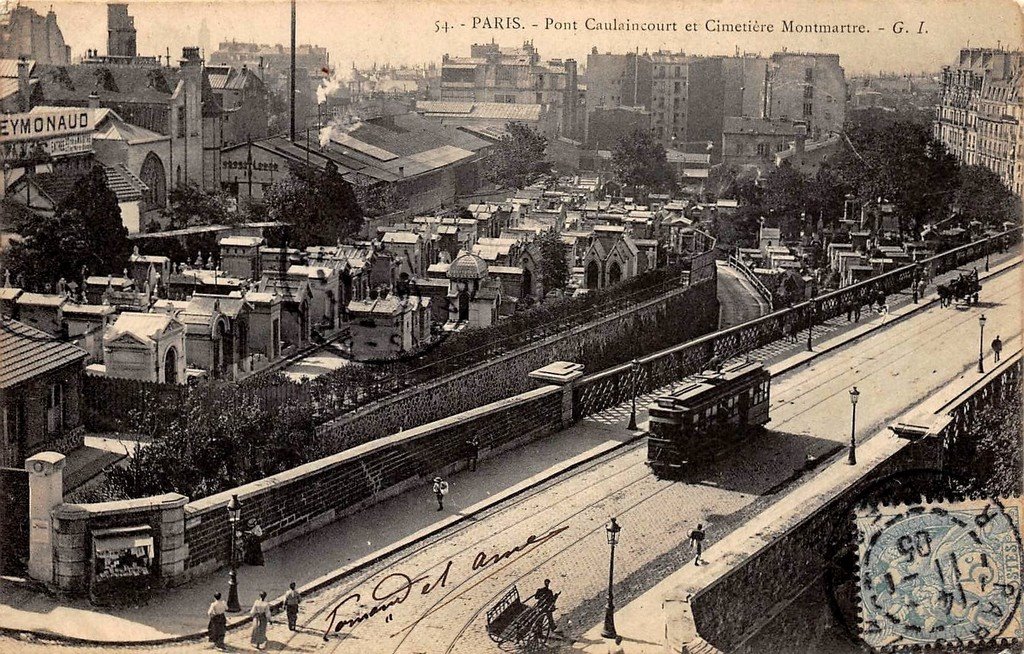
(673, 318)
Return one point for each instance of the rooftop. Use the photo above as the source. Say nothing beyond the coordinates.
(28, 352)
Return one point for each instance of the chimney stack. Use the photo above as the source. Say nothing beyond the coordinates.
(94, 100)
(24, 84)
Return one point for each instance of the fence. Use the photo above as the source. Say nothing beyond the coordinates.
(111, 404)
(613, 386)
(120, 405)
(752, 278)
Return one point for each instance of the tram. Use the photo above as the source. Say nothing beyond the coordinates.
(694, 423)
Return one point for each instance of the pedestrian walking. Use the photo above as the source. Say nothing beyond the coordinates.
(440, 490)
(260, 613)
(472, 452)
(856, 311)
(546, 602)
(794, 329)
(997, 347)
(921, 286)
(697, 540)
(218, 624)
(291, 605)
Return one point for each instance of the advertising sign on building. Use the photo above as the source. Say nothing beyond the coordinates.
(44, 124)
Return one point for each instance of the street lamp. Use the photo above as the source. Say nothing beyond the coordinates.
(612, 530)
(981, 344)
(234, 516)
(854, 396)
(810, 324)
(634, 369)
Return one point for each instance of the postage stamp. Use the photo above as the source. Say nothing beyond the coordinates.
(940, 572)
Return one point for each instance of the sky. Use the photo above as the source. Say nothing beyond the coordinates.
(396, 31)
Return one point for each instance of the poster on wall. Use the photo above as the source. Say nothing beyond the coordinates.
(122, 565)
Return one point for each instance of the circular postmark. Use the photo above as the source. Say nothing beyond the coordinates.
(939, 572)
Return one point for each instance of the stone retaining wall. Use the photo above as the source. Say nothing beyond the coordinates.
(192, 539)
(816, 537)
(668, 320)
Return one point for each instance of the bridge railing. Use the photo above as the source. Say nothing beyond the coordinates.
(758, 285)
(613, 386)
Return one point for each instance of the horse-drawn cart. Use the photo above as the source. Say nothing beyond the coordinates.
(512, 620)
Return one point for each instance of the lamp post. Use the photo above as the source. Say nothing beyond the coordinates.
(634, 369)
(988, 251)
(810, 324)
(234, 516)
(612, 530)
(854, 396)
(981, 344)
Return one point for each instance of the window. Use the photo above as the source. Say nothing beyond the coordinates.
(809, 75)
(677, 87)
(540, 98)
(181, 121)
(807, 108)
(762, 149)
(808, 92)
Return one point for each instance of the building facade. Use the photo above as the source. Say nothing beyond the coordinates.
(809, 88)
(25, 33)
(980, 113)
(514, 75)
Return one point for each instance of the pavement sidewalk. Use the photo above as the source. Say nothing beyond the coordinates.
(321, 557)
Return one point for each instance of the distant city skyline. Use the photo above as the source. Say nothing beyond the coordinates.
(388, 32)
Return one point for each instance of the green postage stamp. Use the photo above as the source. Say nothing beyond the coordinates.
(940, 572)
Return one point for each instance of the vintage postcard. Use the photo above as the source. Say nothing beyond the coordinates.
(451, 327)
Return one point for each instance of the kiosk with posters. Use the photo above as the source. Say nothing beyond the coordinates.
(122, 565)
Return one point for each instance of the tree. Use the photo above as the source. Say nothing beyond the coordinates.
(518, 158)
(320, 205)
(191, 206)
(896, 158)
(84, 230)
(554, 261)
(642, 163)
(982, 196)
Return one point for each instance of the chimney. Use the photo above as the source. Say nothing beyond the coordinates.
(94, 100)
(24, 86)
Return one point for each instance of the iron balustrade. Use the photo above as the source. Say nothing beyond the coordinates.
(608, 388)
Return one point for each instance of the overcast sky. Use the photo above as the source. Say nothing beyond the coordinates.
(405, 32)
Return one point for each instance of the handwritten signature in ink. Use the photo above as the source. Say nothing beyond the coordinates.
(395, 588)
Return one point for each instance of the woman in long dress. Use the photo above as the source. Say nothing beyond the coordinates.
(260, 618)
(218, 621)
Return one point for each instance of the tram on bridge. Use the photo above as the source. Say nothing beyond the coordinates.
(696, 422)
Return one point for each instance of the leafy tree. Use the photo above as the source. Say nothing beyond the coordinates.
(85, 230)
(982, 196)
(642, 163)
(554, 261)
(191, 206)
(896, 158)
(320, 205)
(518, 158)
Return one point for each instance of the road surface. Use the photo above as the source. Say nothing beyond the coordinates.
(433, 597)
(739, 301)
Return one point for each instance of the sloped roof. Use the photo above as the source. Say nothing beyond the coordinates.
(126, 186)
(144, 327)
(28, 352)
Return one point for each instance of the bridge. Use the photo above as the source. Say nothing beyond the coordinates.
(437, 587)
